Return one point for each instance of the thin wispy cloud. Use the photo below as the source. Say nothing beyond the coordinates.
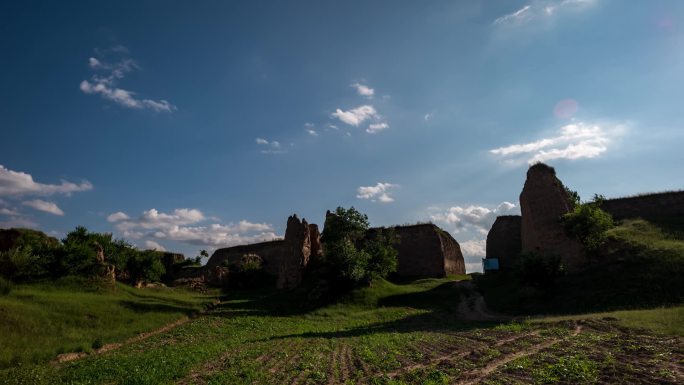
(45, 206)
(573, 141)
(104, 83)
(185, 226)
(376, 127)
(541, 10)
(381, 192)
(270, 146)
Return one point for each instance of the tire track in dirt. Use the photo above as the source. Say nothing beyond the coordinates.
(447, 353)
(479, 374)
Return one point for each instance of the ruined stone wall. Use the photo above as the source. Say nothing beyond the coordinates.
(543, 202)
(504, 240)
(296, 256)
(453, 258)
(271, 254)
(427, 251)
(656, 206)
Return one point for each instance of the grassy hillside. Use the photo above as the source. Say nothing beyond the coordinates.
(389, 333)
(39, 321)
(640, 265)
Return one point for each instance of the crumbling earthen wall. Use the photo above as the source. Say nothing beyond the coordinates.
(543, 202)
(504, 240)
(425, 250)
(657, 206)
(271, 254)
(296, 257)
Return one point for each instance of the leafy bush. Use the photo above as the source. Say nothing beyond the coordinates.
(540, 270)
(352, 257)
(588, 223)
(145, 266)
(5, 286)
(18, 263)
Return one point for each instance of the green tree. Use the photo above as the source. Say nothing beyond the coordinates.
(352, 255)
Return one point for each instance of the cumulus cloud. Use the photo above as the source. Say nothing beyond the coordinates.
(184, 225)
(574, 141)
(41, 205)
(364, 90)
(540, 10)
(152, 245)
(472, 217)
(473, 251)
(17, 183)
(378, 193)
(106, 85)
(356, 116)
(376, 127)
(271, 147)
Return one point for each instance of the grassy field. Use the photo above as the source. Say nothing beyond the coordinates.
(411, 333)
(40, 321)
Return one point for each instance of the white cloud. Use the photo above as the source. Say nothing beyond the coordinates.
(356, 116)
(364, 90)
(183, 225)
(474, 248)
(18, 221)
(17, 183)
(574, 141)
(376, 127)
(8, 212)
(152, 245)
(273, 147)
(117, 216)
(380, 192)
(477, 218)
(312, 132)
(41, 205)
(105, 86)
(541, 10)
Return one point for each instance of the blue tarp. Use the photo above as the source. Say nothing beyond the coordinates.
(490, 264)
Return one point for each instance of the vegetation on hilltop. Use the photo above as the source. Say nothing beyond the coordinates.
(36, 257)
(638, 265)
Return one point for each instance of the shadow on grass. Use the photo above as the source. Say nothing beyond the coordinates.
(145, 307)
(439, 303)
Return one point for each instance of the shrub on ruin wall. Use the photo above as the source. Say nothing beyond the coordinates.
(588, 223)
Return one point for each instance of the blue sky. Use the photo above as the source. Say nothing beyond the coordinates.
(186, 125)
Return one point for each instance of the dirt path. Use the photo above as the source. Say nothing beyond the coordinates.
(472, 306)
(478, 375)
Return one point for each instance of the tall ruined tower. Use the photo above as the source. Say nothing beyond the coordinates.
(543, 201)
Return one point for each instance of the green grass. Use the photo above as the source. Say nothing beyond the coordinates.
(661, 320)
(40, 321)
(384, 334)
(641, 266)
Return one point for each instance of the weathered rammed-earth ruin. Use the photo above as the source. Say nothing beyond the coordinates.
(424, 250)
(543, 202)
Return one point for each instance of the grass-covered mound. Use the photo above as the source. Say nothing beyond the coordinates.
(640, 265)
(41, 320)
